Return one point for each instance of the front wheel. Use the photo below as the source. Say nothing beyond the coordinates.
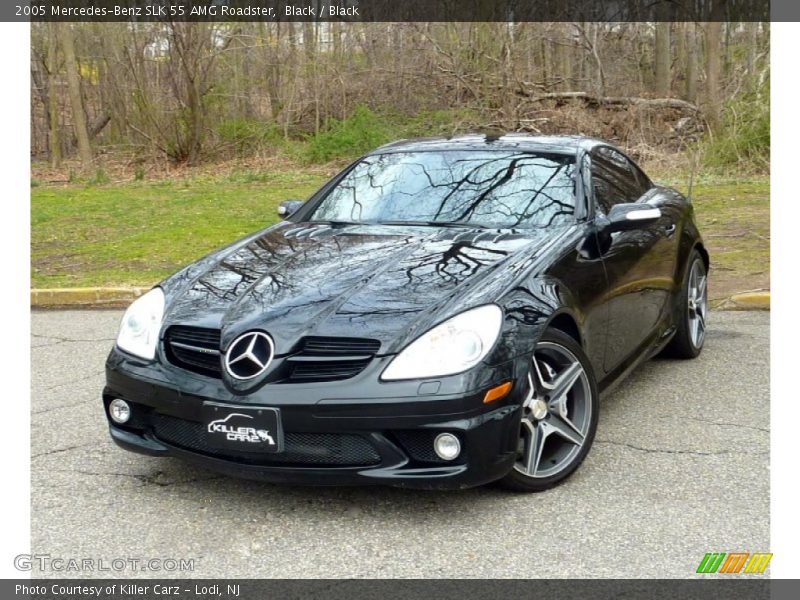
(559, 415)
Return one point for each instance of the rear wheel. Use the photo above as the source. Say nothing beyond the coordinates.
(559, 415)
(693, 311)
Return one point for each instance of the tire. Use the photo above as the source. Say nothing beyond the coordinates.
(551, 416)
(692, 311)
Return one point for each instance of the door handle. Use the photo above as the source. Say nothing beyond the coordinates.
(669, 229)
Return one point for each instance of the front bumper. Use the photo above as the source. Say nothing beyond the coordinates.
(353, 432)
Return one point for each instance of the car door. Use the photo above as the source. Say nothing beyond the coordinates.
(636, 262)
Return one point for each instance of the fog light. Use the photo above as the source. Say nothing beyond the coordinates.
(446, 446)
(119, 411)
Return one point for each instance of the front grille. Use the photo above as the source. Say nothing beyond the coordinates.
(314, 359)
(320, 359)
(331, 346)
(313, 449)
(194, 349)
(315, 371)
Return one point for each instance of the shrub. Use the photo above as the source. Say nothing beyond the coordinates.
(743, 140)
(100, 177)
(247, 136)
(362, 131)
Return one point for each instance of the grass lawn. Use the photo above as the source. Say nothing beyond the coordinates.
(138, 233)
(734, 220)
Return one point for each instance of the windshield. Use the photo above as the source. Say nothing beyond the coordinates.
(502, 189)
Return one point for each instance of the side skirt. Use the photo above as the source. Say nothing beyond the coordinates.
(647, 350)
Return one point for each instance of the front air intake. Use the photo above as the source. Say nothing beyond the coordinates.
(195, 349)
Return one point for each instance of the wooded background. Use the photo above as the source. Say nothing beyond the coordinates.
(196, 92)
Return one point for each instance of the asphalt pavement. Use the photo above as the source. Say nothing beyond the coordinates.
(680, 467)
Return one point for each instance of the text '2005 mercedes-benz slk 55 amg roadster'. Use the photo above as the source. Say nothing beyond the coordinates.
(443, 313)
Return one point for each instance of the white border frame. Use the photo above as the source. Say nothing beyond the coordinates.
(785, 212)
(15, 47)
(785, 218)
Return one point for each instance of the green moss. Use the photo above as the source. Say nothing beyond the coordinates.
(734, 220)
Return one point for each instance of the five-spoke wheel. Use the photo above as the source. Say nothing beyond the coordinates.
(697, 302)
(692, 311)
(559, 414)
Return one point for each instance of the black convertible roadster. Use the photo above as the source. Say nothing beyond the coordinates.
(441, 314)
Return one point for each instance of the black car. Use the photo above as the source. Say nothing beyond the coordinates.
(442, 314)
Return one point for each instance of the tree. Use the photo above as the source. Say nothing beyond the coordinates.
(713, 108)
(591, 42)
(192, 91)
(74, 90)
(53, 139)
(690, 33)
(663, 60)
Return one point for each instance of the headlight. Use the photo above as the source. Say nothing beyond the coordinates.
(138, 333)
(454, 346)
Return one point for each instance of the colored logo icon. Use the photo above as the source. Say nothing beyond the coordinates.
(734, 563)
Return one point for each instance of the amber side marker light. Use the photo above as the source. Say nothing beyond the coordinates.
(500, 391)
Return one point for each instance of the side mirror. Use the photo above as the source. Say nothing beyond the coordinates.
(288, 207)
(627, 217)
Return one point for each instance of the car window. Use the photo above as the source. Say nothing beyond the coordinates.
(641, 178)
(615, 179)
(637, 180)
(626, 175)
(605, 185)
(500, 188)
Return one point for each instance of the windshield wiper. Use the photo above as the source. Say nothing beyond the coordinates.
(460, 225)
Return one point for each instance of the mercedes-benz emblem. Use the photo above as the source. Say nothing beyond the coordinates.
(249, 355)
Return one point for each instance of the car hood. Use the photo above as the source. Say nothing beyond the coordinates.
(382, 282)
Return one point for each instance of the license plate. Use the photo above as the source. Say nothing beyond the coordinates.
(243, 428)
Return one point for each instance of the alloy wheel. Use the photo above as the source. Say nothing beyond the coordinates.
(697, 298)
(557, 412)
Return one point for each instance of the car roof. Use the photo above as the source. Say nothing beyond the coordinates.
(561, 144)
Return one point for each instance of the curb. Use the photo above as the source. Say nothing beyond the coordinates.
(94, 297)
(759, 300)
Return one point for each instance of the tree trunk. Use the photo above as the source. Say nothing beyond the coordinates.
(194, 121)
(600, 69)
(74, 89)
(752, 54)
(53, 140)
(691, 62)
(309, 41)
(713, 108)
(662, 60)
(565, 64)
(590, 43)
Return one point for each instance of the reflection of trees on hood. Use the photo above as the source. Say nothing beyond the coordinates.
(455, 264)
(352, 271)
(235, 274)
